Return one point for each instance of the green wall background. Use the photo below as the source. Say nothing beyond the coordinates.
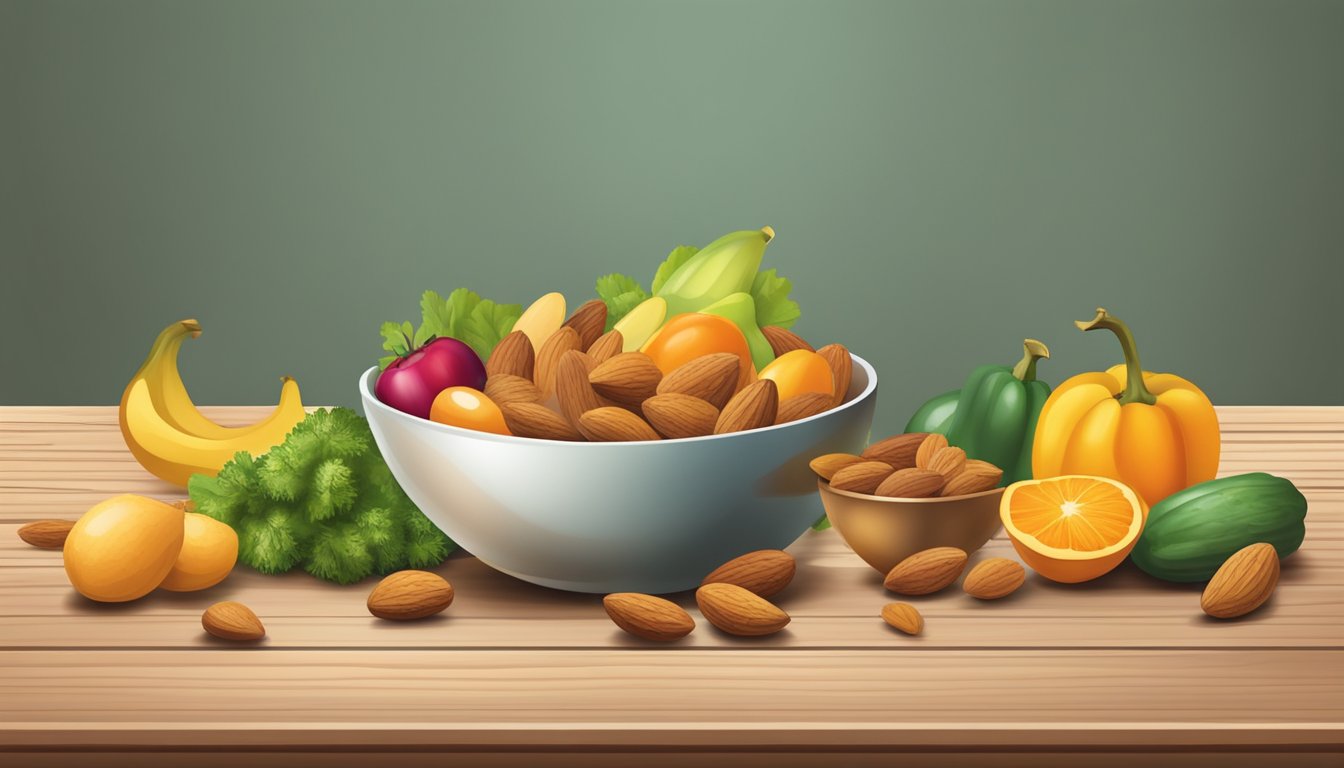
(945, 178)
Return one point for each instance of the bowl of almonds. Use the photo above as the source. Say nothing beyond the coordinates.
(906, 494)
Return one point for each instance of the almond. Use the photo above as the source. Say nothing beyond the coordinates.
(738, 611)
(47, 534)
(548, 358)
(675, 415)
(712, 378)
(607, 346)
(614, 425)
(910, 483)
(948, 461)
(897, 450)
(573, 391)
(930, 445)
(904, 617)
(536, 420)
(752, 408)
(232, 621)
(503, 388)
(842, 369)
(994, 578)
(803, 406)
(1243, 583)
(783, 340)
(512, 356)
(590, 319)
(926, 572)
(649, 617)
(861, 477)
(407, 595)
(764, 572)
(827, 465)
(975, 477)
(629, 378)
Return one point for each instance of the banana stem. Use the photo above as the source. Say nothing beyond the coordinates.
(1135, 390)
(1032, 350)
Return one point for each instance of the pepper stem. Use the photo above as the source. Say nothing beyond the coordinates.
(1135, 390)
(1032, 350)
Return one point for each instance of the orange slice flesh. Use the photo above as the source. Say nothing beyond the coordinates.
(1073, 528)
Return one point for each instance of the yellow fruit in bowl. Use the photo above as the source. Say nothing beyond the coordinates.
(469, 409)
(209, 551)
(123, 547)
(1072, 528)
(542, 318)
(800, 372)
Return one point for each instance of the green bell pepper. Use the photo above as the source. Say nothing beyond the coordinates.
(993, 416)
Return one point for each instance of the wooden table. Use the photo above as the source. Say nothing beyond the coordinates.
(1123, 669)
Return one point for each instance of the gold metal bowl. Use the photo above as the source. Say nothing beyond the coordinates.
(884, 531)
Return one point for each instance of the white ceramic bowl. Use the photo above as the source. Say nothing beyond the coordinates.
(618, 517)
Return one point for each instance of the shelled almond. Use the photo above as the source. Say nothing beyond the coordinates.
(915, 465)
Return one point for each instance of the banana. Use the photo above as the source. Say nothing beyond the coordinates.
(170, 437)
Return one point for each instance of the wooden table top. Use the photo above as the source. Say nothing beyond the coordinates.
(518, 674)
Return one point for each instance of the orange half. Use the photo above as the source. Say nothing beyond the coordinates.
(1072, 528)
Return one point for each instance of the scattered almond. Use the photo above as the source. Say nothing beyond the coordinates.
(564, 340)
(407, 595)
(926, 572)
(675, 415)
(504, 388)
(994, 578)
(904, 617)
(828, 464)
(629, 378)
(803, 406)
(613, 424)
(764, 572)
(738, 611)
(842, 369)
(783, 340)
(232, 621)
(910, 483)
(948, 461)
(712, 378)
(47, 534)
(752, 408)
(897, 450)
(649, 617)
(607, 346)
(1243, 583)
(573, 391)
(512, 356)
(929, 446)
(975, 477)
(590, 319)
(536, 420)
(860, 477)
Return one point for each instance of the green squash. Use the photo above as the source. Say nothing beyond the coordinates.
(1191, 533)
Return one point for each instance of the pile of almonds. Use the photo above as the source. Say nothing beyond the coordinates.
(602, 394)
(732, 598)
(932, 570)
(914, 465)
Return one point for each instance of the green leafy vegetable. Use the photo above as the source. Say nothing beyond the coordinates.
(773, 305)
(323, 500)
(621, 293)
(465, 316)
(679, 256)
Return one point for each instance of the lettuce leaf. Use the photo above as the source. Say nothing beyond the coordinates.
(621, 293)
(773, 305)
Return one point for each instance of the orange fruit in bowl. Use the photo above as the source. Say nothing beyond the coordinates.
(1072, 528)
(693, 334)
(468, 408)
(799, 372)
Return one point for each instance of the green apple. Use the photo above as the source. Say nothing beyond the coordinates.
(740, 308)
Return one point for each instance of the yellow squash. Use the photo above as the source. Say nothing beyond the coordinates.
(1155, 432)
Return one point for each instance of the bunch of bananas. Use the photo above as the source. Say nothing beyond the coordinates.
(170, 437)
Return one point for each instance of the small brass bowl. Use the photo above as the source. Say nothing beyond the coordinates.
(884, 531)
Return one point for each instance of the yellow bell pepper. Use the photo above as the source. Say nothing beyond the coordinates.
(1155, 432)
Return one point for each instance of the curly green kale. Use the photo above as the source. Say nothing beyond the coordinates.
(323, 500)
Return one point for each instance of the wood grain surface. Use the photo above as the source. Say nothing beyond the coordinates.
(516, 674)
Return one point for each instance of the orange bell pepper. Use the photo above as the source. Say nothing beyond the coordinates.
(1155, 432)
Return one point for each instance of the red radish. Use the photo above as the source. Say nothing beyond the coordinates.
(411, 383)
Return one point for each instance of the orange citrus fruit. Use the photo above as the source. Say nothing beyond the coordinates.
(693, 334)
(468, 408)
(799, 372)
(1072, 528)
